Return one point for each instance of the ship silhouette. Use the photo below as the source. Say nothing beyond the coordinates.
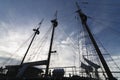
(89, 69)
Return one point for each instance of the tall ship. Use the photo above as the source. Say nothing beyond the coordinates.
(91, 64)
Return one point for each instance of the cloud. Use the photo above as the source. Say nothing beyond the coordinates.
(12, 36)
(18, 28)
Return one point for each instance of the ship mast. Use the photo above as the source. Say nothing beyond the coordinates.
(36, 32)
(83, 18)
(54, 25)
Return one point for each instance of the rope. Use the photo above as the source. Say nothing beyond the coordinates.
(42, 41)
(72, 41)
(87, 48)
(12, 55)
(100, 22)
(109, 55)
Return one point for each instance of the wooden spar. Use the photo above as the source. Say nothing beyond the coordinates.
(83, 18)
(43, 62)
(36, 32)
(54, 24)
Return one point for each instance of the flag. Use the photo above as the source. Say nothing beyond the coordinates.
(96, 66)
(86, 67)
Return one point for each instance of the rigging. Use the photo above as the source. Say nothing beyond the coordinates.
(84, 20)
(36, 32)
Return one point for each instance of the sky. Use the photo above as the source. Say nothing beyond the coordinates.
(19, 17)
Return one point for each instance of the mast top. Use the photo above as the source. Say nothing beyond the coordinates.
(40, 23)
(78, 6)
(54, 21)
(81, 14)
(37, 29)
